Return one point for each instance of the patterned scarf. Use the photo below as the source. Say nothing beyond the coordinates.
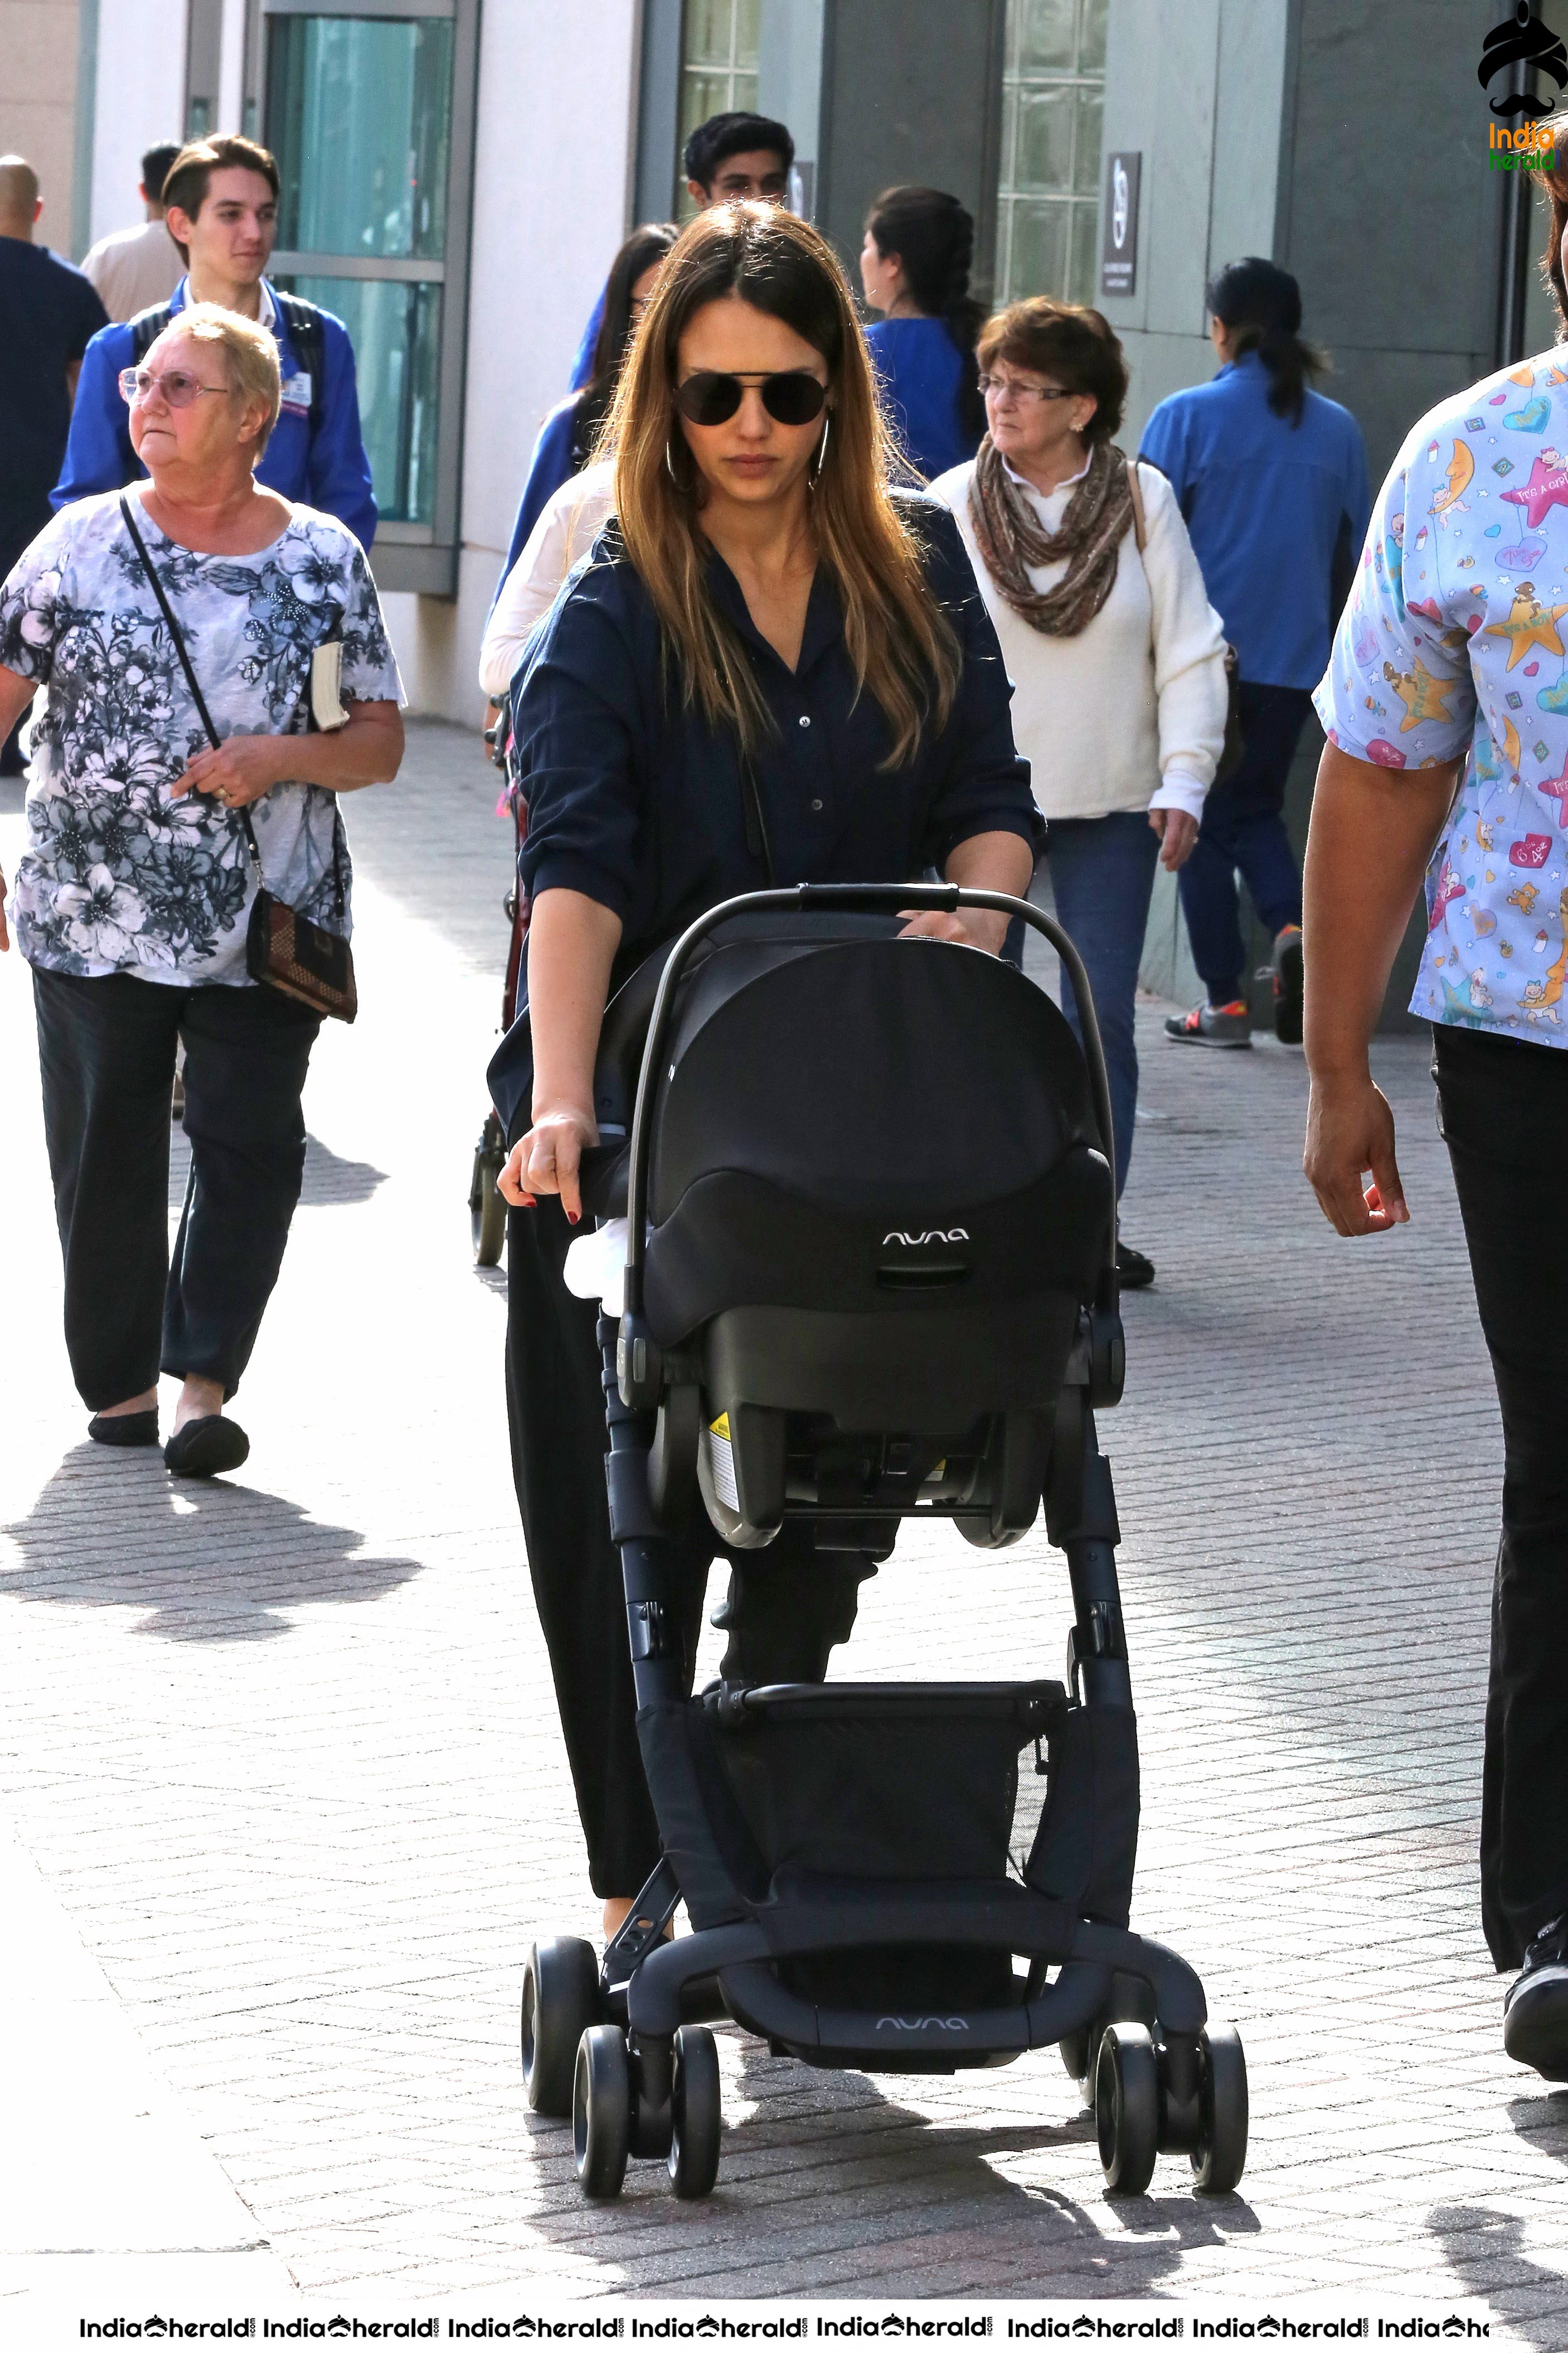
(1010, 538)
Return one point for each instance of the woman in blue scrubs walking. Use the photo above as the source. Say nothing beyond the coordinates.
(914, 269)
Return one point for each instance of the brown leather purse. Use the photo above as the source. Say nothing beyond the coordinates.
(283, 949)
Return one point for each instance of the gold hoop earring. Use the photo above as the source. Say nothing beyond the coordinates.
(815, 475)
(669, 463)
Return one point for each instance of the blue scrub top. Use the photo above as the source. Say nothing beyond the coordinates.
(922, 373)
(327, 469)
(635, 801)
(1265, 503)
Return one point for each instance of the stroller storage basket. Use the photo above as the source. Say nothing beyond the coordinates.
(886, 1781)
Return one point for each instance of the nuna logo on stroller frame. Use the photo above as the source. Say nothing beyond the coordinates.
(926, 2025)
(919, 1241)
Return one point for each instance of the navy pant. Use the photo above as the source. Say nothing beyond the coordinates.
(1102, 877)
(1503, 1111)
(1243, 829)
(106, 1049)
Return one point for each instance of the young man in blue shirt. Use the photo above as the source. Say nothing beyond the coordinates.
(221, 205)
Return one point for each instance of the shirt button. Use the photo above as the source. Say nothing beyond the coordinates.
(805, 723)
(817, 806)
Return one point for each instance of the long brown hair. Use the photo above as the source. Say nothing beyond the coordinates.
(898, 640)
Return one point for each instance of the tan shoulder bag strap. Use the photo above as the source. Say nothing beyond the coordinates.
(1139, 531)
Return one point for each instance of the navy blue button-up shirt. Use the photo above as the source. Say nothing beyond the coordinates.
(635, 801)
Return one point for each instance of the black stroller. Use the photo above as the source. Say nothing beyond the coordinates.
(916, 1321)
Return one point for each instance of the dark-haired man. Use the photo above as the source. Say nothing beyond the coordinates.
(49, 316)
(138, 267)
(221, 202)
(727, 158)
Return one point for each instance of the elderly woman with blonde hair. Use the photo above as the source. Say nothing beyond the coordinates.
(187, 752)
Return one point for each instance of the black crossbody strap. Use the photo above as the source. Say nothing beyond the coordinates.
(177, 639)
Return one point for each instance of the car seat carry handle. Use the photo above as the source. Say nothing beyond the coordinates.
(868, 898)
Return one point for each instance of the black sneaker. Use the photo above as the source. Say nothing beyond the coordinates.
(1287, 971)
(1535, 2010)
(1134, 1271)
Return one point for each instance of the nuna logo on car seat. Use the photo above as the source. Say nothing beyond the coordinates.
(919, 1241)
(926, 2025)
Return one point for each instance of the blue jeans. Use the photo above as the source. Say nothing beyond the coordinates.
(1102, 874)
(1243, 829)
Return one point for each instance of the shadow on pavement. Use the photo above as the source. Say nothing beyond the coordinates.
(211, 1561)
(1483, 2249)
(923, 2196)
(329, 1184)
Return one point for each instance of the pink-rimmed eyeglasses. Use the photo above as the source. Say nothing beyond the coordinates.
(177, 387)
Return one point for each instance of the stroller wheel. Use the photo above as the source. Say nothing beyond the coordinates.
(695, 2113)
(1126, 2108)
(601, 2112)
(487, 1210)
(1221, 2155)
(560, 1998)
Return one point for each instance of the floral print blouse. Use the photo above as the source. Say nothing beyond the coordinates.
(117, 875)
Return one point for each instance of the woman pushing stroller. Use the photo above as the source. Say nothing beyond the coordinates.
(775, 669)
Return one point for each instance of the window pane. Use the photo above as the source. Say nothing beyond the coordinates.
(1086, 146)
(395, 329)
(359, 117)
(748, 14)
(705, 32)
(1043, 157)
(1091, 37)
(1048, 33)
(1038, 262)
(1085, 253)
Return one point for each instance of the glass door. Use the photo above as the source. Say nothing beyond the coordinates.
(362, 105)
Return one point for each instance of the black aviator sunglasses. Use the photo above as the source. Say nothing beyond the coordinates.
(791, 396)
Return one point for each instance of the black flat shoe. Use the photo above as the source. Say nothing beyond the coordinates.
(204, 1449)
(1134, 1271)
(125, 1429)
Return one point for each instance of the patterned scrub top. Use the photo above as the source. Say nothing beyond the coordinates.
(1454, 642)
(117, 876)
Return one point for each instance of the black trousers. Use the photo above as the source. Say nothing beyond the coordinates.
(107, 1052)
(787, 1606)
(1503, 1113)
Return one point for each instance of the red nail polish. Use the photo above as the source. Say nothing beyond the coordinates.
(573, 1217)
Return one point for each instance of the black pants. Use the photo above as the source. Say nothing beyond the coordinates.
(107, 1052)
(788, 1607)
(1503, 1112)
(1243, 829)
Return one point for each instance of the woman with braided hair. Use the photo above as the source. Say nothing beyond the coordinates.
(1116, 656)
(914, 268)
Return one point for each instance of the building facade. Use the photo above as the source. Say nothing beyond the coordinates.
(458, 174)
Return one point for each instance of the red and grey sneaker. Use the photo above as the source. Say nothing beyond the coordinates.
(1287, 984)
(1212, 1025)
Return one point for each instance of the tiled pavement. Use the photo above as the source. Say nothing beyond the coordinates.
(284, 1748)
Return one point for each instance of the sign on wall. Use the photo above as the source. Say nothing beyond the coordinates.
(1119, 247)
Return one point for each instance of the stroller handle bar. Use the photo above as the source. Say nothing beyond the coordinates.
(869, 898)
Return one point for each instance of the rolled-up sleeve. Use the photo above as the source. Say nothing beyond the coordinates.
(985, 786)
(577, 720)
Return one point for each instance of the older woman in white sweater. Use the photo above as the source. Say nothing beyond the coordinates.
(1115, 653)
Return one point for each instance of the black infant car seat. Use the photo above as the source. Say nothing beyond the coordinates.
(869, 1278)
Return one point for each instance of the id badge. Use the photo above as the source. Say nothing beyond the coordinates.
(297, 394)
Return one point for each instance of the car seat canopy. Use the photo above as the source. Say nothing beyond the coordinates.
(873, 1125)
